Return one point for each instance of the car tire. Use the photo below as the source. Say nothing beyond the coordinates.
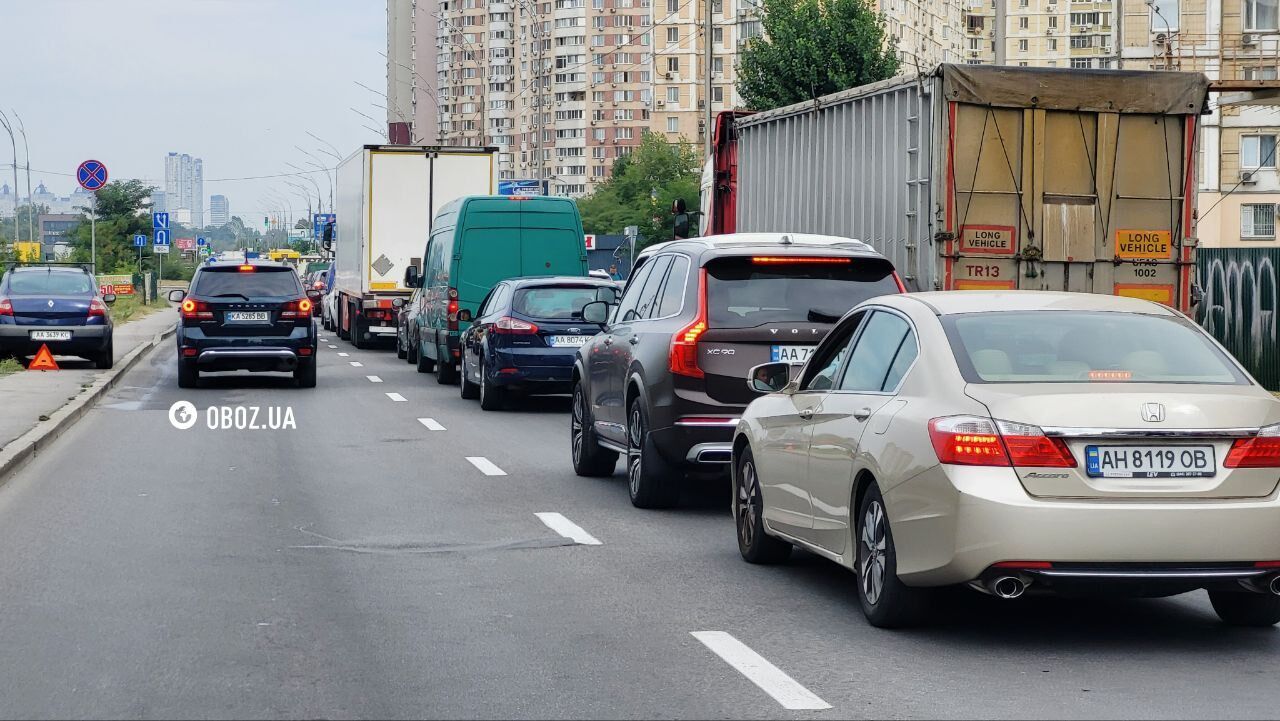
(755, 545)
(1245, 608)
(411, 350)
(357, 336)
(492, 398)
(188, 375)
(424, 364)
(446, 372)
(590, 459)
(105, 359)
(305, 374)
(886, 601)
(651, 481)
(337, 323)
(466, 388)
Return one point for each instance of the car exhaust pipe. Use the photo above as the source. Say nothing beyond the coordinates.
(1274, 586)
(1007, 586)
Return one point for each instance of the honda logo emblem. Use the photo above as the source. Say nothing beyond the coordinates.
(1153, 412)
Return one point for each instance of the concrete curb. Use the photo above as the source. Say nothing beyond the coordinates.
(30, 444)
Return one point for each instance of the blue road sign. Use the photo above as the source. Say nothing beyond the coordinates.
(91, 175)
(139, 241)
(200, 242)
(162, 237)
(522, 187)
(160, 221)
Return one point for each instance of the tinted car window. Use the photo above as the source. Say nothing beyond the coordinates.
(907, 353)
(262, 282)
(827, 359)
(41, 283)
(554, 303)
(747, 292)
(874, 352)
(672, 299)
(647, 296)
(1084, 347)
(634, 287)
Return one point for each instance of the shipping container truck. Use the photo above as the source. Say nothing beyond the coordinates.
(982, 177)
(386, 198)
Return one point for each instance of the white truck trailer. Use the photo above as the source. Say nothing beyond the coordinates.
(387, 197)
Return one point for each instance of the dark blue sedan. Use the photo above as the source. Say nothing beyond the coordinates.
(57, 306)
(525, 335)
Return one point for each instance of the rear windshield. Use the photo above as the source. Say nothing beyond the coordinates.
(745, 292)
(260, 283)
(554, 303)
(43, 283)
(1085, 347)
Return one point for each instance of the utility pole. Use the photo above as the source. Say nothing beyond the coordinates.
(708, 35)
(31, 206)
(4, 122)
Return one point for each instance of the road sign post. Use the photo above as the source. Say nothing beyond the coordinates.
(92, 175)
(139, 241)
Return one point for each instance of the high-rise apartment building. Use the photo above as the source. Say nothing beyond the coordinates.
(184, 187)
(926, 32)
(1040, 33)
(1236, 43)
(411, 71)
(219, 210)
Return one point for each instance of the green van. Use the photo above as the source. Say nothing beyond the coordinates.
(475, 243)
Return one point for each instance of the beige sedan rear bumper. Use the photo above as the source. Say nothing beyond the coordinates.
(950, 524)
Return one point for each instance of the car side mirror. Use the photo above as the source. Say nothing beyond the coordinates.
(176, 296)
(769, 377)
(397, 302)
(411, 277)
(596, 311)
(108, 298)
(327, 237)
(464, 315)
(314, 294)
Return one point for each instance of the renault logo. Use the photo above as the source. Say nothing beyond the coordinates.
(50, 304)
(1153, 412)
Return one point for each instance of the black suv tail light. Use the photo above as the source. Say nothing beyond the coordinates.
(683, 359)
(296, 309)
(196, 310)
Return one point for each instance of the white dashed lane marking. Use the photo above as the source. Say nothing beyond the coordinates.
(374, 379)
(771, 679)
(486, 466)
(333, 346)
(397, 398)
(567, 528)
(357, 364)
(431, 424)
(343, 355)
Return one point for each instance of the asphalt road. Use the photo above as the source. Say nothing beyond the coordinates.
(360, 566)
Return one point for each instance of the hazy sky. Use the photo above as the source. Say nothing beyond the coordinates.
(234, 82)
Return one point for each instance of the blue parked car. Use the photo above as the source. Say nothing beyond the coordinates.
(526, 334)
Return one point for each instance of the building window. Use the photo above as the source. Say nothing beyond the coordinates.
(673, 35)
(975, 43)
(1267, 73)
(1164, 16)
(673, 124)
(717, 64)
(717, 94)
(673, 65)
(1261, 14)
(673, 95)
(1258, 151)
(717, 35)
(1024, 23)
(1053, 43)
(1258, 220)
(673, 6)
(1082, 41)
(1080, 63)
(1022, 46)
(1053, 21)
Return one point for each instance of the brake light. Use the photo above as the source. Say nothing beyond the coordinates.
(975, 441)
(318, 285)
(296, 309)
(798, 260)
(683, 359)
(97, 309)
(6, 307)
(514, 326)
(1260, 451)
(246, 269)
(452, 317)
(196, 310)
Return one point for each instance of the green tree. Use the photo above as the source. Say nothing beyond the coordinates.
(812, 48)
(123, 211)
(642, 189)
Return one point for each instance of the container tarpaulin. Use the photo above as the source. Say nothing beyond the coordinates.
(1100, 91)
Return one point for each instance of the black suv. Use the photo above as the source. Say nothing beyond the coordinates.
(253, 317)
(55, 306)
(666, 381)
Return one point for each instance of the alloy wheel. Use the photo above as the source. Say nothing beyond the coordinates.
(576, 422)
(635, 440)
(748, 504)
(871, 570)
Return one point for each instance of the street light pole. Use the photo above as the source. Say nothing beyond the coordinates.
(4, 122)
(31, 204)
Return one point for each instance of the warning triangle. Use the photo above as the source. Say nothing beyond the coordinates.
(43, 361)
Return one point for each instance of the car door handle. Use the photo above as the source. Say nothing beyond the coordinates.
(806, 413)
(862, 414)
(634, 339)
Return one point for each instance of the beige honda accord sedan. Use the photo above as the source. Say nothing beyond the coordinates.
(1017, 442)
